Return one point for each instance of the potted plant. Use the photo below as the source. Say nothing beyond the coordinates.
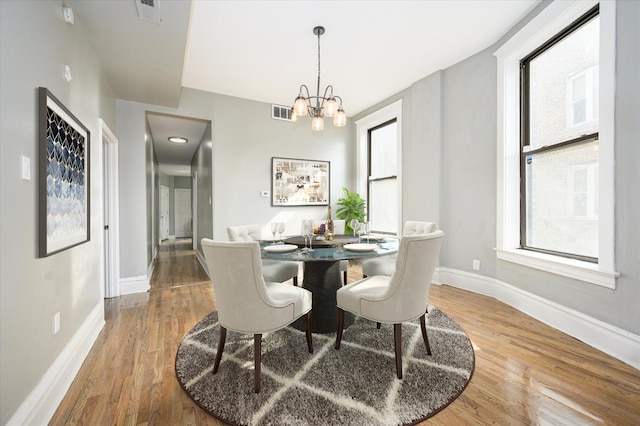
(352, 206)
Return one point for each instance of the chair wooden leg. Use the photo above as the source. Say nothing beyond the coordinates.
(397, 337)
(340, 327)
(307, 330)
(221, 340)
(378, 325)
(257, 361)
(425, 337)
(344, 277)
(295, 281)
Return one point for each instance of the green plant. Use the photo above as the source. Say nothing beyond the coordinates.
(352, 206)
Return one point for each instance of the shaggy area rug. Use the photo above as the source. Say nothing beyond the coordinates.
(355, 385)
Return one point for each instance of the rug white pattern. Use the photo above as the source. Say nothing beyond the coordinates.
(355, 385)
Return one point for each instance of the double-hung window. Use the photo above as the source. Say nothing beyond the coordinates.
(555, 134)
(559, 155)
(383, 177)
(379, 167)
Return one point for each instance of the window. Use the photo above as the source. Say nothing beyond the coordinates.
(582, 97)
(383, 176)
(557, 150)
(581, 142)
(379, 167)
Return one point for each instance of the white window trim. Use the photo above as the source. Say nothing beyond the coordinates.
(363, 125)
(546, 24)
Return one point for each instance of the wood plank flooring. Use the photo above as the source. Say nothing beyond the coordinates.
(526, 372)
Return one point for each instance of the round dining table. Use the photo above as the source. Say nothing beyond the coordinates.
(322, 270)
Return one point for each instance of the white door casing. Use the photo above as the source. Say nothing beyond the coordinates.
(194, 210)
(111, 257)
(164, 212)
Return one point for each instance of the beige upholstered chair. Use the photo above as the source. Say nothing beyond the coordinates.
(245, 303)
(399, 298)
(272, 270)
(338, 229)
(386, 265)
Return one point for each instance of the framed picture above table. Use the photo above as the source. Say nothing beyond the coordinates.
(296, 182)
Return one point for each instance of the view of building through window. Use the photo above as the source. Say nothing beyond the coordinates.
(383, 176)
(560, 143)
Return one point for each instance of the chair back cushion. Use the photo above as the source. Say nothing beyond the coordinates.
(242, 299)
(412, 227)
(405, 298)
(244, 233)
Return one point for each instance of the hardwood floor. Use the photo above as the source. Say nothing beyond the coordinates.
(525, 373)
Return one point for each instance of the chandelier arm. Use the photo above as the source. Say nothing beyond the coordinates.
(338, 98)
(329, 87)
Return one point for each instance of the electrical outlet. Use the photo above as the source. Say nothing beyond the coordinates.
(56, 323)
(476, 265)
(264, 193)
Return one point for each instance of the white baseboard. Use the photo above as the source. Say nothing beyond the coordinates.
(43, 401)
(130, 285)
(611, 340)
(172, 237)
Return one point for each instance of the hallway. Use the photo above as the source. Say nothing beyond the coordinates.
(176, 265)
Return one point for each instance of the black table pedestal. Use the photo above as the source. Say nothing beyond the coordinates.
(322, 279)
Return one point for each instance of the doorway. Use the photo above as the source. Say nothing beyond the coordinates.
(111, 249)
(183, 218)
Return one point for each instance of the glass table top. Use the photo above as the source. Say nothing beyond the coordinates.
(320, 252)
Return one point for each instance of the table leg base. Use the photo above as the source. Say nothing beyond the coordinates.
(323, 280)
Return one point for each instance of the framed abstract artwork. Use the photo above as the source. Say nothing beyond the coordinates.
(64, 177)
(299, 182)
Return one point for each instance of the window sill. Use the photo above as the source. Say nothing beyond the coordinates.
(572, 268)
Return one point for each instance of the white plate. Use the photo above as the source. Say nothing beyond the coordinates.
(281, 248)
(360, 247)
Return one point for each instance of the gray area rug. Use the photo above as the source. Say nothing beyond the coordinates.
(355, 385)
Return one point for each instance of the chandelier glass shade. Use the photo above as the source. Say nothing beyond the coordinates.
(318, 107)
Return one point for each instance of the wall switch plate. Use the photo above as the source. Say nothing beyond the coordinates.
(25, 167)
(56, 323)
(476, 265)
(264, 193)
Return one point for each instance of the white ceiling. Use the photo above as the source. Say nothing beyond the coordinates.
(264, 50)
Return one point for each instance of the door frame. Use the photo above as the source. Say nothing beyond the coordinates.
(194, 210)
(164, 207)
(110, 261)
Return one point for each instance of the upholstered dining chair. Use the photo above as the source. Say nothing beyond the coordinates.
(272, 270)
(399, 298)
(245, 302)
(338, 229)
(386, 265)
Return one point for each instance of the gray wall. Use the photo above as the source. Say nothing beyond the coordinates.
(202, 166)
(244, 137)
(467, 194)
(35, 43)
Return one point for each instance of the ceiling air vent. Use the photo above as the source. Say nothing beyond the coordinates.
(149, 10)
(280, 112)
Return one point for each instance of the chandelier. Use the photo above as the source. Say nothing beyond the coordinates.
(319, 106)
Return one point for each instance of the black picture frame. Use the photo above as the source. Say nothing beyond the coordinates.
(298, 182)
(64, 177)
